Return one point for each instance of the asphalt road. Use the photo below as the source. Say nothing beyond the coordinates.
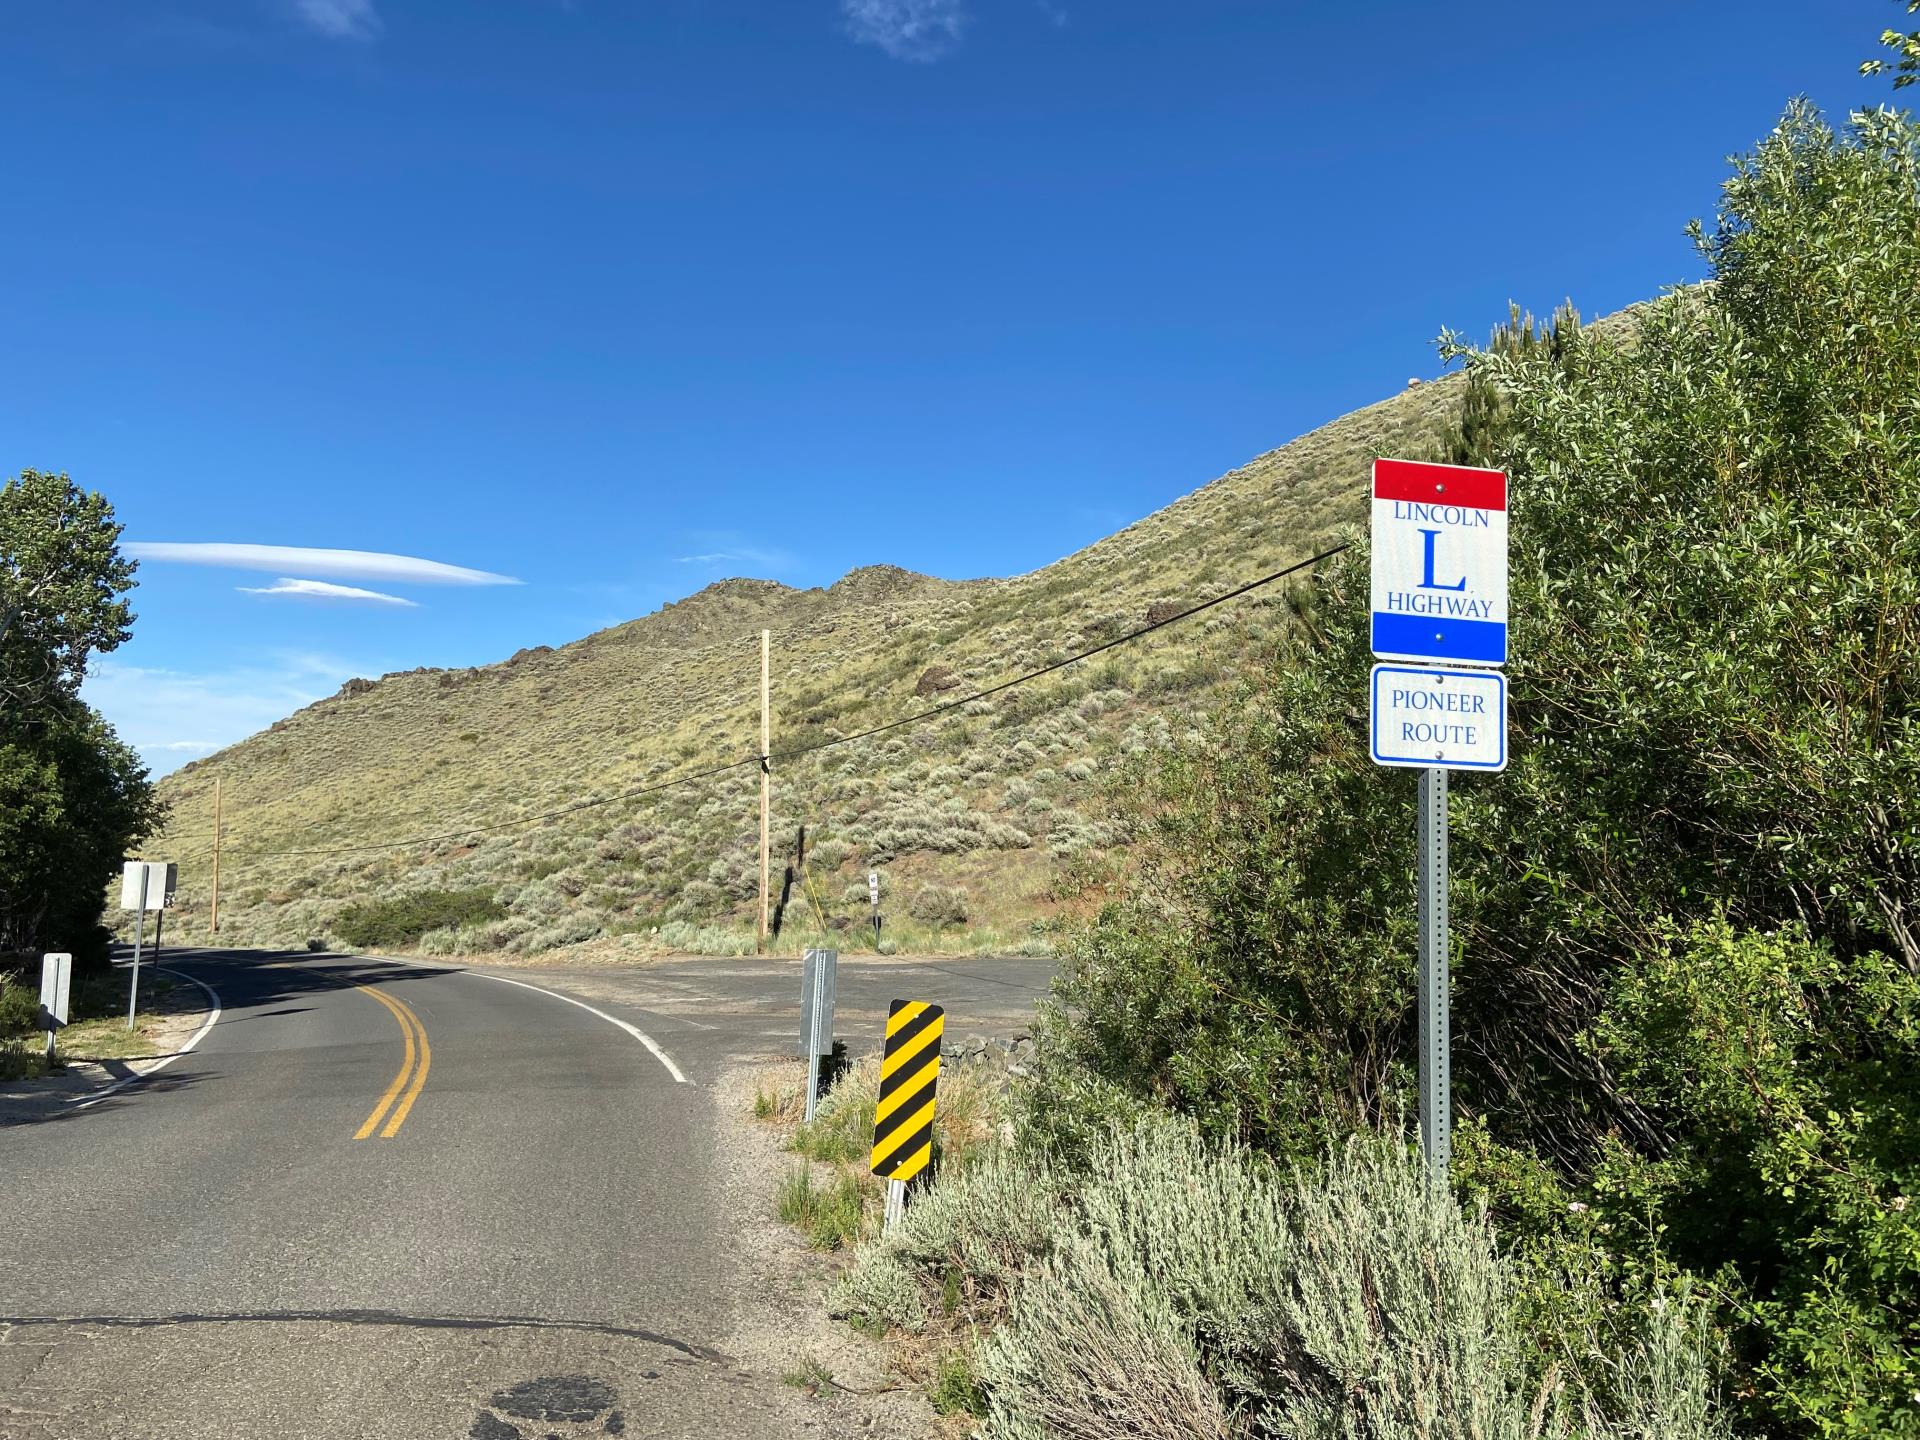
(408, 1200)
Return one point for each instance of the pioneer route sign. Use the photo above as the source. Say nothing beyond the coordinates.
(1439, 563)
(1425, 715)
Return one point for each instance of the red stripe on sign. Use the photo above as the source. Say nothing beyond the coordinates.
(1440, 484)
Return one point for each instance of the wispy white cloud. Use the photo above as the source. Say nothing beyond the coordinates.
(323, 590)
(339, 19)
(728, 552)
(340, 564)
(921, 30)
(173, 716)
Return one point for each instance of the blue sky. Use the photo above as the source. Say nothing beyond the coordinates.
(613, 298)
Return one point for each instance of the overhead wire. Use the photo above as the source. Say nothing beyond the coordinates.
(241, 857)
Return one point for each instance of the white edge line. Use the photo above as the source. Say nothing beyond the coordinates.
(197, 1036)
(633, 1030)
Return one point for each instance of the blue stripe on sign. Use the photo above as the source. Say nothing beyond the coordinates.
(1430, 637)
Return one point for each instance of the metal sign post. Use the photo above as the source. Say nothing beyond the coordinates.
(1436, 1061)
(139, 938)
(819, 979)
(144, 884)
(1439, 600)
(873, 896)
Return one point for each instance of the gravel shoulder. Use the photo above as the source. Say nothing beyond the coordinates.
(784, 1329)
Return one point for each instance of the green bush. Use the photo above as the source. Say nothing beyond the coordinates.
(956, 1387)
(1715, 786)
(403, 919)
(939, 905)
(979, 1229)
(20, 1058)
(1787, 1076)
(19, 1007)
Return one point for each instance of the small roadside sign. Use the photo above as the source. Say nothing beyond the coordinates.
(56, 985)
(56, 982)
(147, 885)
(909, 1075)
(1427, 715)
(1439, 563)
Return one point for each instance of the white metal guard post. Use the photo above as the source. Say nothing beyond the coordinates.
(139, 937)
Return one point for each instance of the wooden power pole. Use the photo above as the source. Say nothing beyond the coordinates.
(766, 784)
(213, 911)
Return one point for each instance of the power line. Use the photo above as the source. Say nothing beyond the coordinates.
(1127, 638)
(917, 718)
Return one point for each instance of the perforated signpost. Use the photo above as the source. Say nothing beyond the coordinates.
(144, 885)
(819, 986)
(1440, 621)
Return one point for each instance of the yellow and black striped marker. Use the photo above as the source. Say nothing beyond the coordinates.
(909, 1071)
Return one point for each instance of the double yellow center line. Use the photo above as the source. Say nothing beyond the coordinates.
(406, 1086)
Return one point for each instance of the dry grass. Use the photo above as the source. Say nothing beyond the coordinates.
(975, 811)
(830, 1194)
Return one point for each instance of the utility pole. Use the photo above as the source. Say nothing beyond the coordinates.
(213, 911)
(766, 783)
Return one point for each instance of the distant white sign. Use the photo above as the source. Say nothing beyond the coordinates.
(160, 878)
(1424, 715)
(873, 886)
(1439, 563)
(56, 983)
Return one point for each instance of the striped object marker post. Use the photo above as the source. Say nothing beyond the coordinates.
(903, 1117)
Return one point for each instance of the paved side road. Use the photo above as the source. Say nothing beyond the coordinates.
(396, 1200)
(713, 1012)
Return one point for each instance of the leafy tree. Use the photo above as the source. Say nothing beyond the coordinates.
(1714, 789)
(62, 583)
(1905, 67)
(73, 799)
(1485, 421)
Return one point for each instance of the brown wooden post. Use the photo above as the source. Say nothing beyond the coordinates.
(213, 911)
(766, 784)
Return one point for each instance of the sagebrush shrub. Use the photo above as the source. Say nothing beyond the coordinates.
(403, 919)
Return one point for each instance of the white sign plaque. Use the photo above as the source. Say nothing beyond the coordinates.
(160, 880)
(1424, 715)
(56, 984)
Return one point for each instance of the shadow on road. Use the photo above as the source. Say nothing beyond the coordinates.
(245, 981)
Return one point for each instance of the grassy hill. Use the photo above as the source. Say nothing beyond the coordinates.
(970, 818)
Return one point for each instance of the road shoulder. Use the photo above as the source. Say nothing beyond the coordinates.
(838, 1381)
(170, 1020)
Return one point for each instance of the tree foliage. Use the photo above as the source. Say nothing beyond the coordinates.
(1715, 778)
(62, 586)
(73, 801)
(73, 798)
(1905, 65)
